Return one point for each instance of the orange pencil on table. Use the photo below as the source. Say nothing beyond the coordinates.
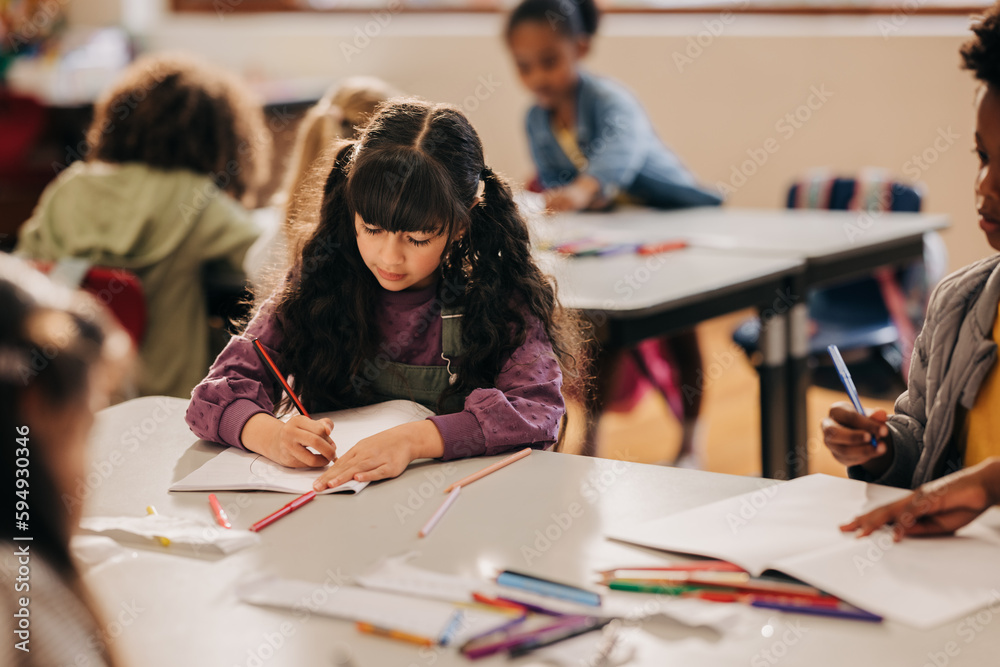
(370, 629)
(489, 469)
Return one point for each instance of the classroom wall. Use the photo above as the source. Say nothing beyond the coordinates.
(867, 91)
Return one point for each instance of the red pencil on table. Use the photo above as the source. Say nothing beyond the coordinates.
(657, 248)
(266, 359)
(287, 509)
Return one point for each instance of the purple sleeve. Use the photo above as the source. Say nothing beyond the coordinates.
(237, 386)
(525, 408)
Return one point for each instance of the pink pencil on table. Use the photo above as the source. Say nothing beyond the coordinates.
(489, 469)
(220, 514)
(429, 526)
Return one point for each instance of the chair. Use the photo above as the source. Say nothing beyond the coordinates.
(875, 317)
(118, 289)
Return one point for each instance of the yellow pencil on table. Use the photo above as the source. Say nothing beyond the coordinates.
(152, 512)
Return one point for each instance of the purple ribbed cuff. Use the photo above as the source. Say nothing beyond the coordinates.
(463, 436)
(234, 418)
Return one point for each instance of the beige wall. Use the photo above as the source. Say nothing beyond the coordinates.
(889, 97)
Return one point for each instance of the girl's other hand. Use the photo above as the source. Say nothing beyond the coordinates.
(848, 435)
(937, 508)
(384, 455)
(285, 443)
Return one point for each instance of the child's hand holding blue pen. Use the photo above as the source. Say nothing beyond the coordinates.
(848, 434)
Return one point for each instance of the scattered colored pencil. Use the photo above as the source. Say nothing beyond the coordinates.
(433, 521)
(489, 469)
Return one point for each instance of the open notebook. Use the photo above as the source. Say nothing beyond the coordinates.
(793, 528)
(237, 470)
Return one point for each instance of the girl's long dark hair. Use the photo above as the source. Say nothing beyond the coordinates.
(416, 167)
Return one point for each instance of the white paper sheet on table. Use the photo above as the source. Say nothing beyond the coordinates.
(793, 528)
(412, 615)
(181, 532)
(238, 470)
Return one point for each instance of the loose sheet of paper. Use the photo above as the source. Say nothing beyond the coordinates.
(238, 470)
(793, 528)
(416, 616)
(181, 532)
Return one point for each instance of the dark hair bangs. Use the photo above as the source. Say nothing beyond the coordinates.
(402, 191)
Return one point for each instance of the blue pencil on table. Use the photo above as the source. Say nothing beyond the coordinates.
(848, 382)
(548, 588)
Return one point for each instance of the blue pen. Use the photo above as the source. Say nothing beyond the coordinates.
(547, 588)
(845, 379)
(452, 628)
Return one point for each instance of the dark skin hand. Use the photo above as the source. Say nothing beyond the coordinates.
(937, 508)
(848, 435)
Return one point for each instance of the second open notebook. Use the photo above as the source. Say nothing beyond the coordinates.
(238, 470)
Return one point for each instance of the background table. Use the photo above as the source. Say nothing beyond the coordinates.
(174, 610)
(831, 245)
(630, 298)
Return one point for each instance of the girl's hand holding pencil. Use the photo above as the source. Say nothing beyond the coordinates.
(286, 443)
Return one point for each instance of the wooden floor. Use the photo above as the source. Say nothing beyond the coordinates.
(730, 422)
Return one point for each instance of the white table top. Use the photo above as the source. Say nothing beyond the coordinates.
(631, 285)
(797, 233)
(183, 611)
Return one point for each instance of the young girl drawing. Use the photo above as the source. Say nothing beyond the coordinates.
(418, 283)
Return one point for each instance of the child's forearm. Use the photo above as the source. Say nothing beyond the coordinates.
(426, 441)
(989, 476)
(260, 430)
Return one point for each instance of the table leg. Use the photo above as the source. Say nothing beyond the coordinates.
(773, 372)
(799, 378)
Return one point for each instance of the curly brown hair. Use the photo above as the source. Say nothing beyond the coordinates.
(173, 112)
(417, 166)
(981, 54)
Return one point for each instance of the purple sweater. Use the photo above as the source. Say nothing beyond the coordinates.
(525, 407)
